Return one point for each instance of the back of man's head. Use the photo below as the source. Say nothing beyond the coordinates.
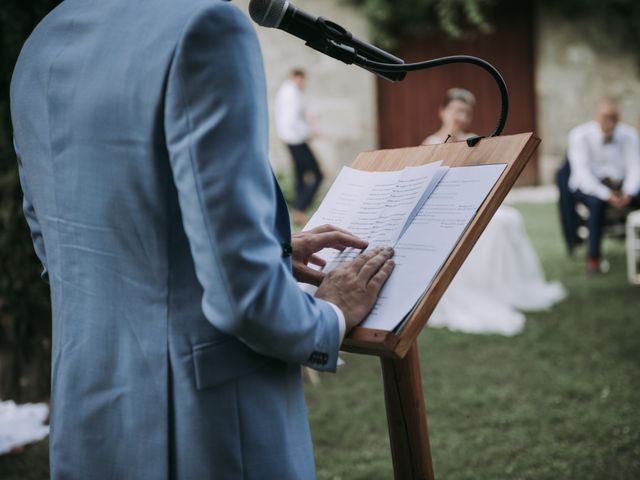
(298, 76)
(298, 72)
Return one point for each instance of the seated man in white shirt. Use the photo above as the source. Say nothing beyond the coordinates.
(605, 170)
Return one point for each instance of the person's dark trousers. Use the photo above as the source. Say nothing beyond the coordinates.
(595, 222)
(308, 175)
(567, 207)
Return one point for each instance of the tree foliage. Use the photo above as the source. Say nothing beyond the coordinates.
(25, 328)
(391, 20)
(612, 24)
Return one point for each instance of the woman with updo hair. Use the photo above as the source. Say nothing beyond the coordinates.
(502, 276)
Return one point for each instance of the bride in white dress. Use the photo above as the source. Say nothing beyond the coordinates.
(502, 276)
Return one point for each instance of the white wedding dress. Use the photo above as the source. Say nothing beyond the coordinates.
(501, 278)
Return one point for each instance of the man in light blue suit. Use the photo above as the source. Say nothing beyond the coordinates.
(178, 327)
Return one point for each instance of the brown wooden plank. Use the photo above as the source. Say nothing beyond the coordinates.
(407, 418)
(368, 341)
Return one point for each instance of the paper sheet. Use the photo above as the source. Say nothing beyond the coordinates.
(429, 240)
(384, 204)
(354, 203)
(421, 211)
(411, 191)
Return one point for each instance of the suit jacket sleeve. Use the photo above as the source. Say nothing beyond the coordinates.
(216, 127)
(32, 220)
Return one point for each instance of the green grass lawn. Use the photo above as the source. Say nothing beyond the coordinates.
(559, 401)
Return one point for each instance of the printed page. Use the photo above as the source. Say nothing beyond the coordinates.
(354, 203)
(430, 239)
(413, 188)
(382, 218)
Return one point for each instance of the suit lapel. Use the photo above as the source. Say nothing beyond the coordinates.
(283, 225)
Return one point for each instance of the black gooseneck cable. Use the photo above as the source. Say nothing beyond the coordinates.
(410, 67)
(338, 42)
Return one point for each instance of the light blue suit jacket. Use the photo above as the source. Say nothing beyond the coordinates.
(178, 329)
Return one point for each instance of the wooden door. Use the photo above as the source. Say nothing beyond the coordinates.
(408, 111)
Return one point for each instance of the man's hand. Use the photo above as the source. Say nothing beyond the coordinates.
(354, 287)
(614, 199)
(619, 199)
(306, 244)
(625, 200)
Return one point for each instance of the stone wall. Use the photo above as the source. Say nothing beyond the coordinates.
(341, 98)
(571, 76)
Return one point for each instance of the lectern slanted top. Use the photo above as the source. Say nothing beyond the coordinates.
(514, 151)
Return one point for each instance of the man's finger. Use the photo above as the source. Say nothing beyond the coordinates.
(327, 228)
(363, 258)
(316, 260)
(370, 268)
(309, 275)
(337, 240)
(359, 242)
(380, 278)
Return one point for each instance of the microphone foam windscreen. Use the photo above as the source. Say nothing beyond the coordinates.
(268, 13)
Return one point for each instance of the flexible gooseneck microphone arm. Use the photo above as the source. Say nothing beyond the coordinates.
(410, 67)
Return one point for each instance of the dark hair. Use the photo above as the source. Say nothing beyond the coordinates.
(298, 72)
(460, 94)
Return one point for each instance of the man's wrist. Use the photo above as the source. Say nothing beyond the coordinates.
(342, 323)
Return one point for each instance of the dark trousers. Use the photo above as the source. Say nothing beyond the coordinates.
(595, 222)
(308, 175)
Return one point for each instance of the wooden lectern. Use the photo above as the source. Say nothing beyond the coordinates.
(406, 416)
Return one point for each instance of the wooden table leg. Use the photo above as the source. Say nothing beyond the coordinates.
(406, 417)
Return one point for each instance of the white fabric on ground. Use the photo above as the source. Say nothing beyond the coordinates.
(501, 277)
(21, 424)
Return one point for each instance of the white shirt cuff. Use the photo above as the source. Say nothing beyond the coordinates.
(341, 321)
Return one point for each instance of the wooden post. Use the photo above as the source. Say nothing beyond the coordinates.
(406, 417)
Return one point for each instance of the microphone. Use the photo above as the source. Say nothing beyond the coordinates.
(322, 35)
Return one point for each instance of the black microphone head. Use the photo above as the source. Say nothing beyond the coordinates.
(268, 13)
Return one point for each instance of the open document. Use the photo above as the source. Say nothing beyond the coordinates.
(421, 211)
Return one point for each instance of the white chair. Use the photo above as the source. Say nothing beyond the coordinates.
(633, 247)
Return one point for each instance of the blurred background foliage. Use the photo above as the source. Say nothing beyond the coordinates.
(391, 21)
(611, 24)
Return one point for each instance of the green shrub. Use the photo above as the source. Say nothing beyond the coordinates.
(611, 24)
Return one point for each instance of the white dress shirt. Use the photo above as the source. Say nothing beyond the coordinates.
(342, 324)
(593, 159)
(289, 110)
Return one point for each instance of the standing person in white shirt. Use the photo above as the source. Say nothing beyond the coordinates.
(604, 155)
(294, 130)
